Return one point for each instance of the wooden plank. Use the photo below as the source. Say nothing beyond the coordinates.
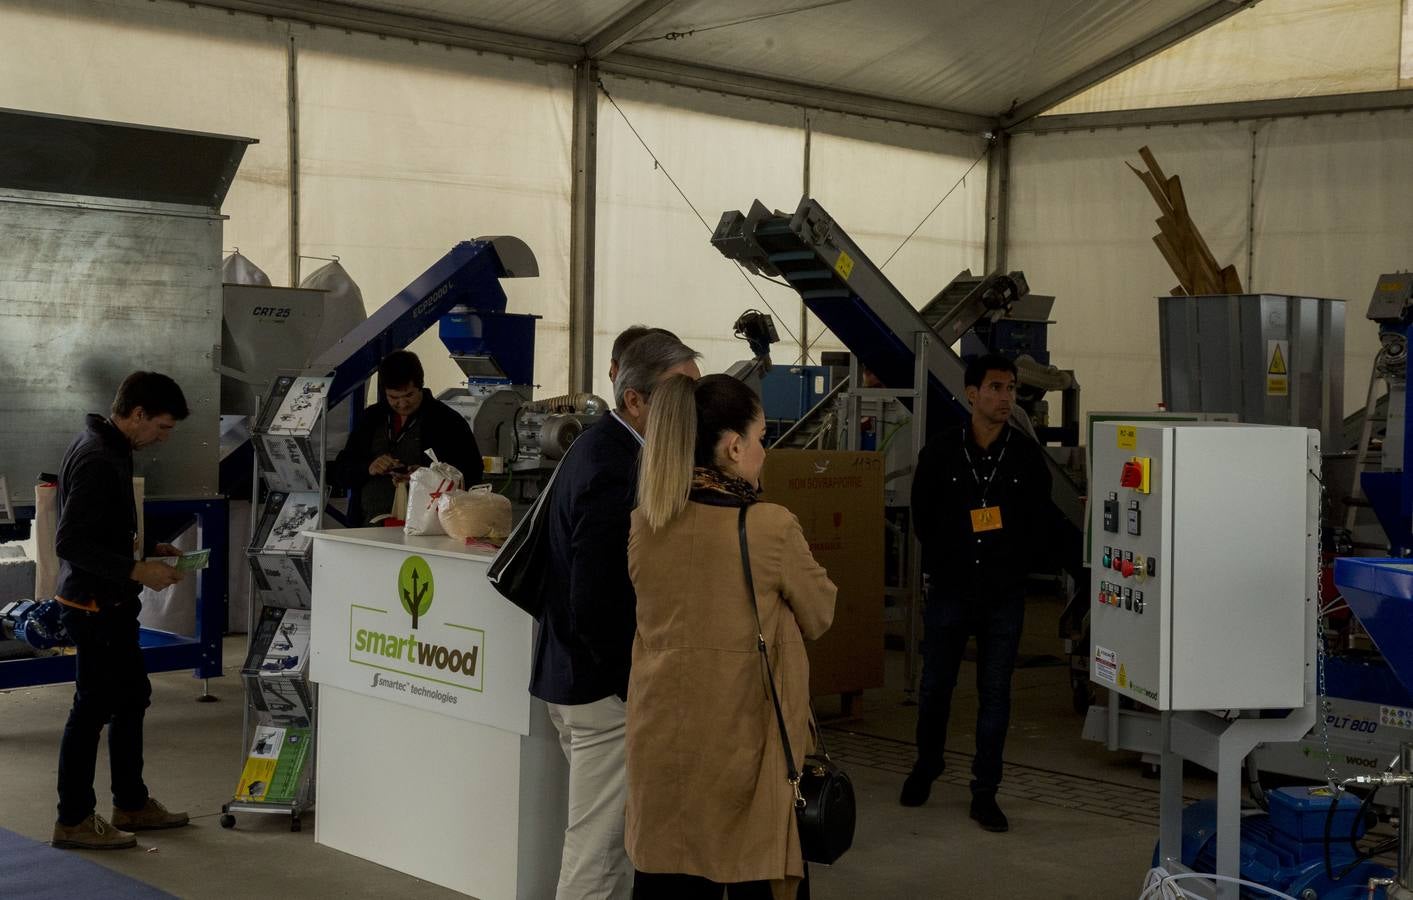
(1175, 261)
(1152, 164)
(1164, 206)
(1179, 201)
(1231, 282)
(1169, 230)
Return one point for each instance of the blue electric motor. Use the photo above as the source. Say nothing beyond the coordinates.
(1285, 848)
(34, 622)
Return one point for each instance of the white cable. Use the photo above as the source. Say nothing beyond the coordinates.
(1240, 882)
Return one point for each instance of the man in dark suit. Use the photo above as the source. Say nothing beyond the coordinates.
(585, 641)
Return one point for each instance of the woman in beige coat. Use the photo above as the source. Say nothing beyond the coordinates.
(710, 806)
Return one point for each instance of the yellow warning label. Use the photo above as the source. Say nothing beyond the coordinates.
(1123, 676)
(1278, 368)
(1128, 437)
(844, 265)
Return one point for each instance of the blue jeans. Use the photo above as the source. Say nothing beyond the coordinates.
(948, 621)
(110, 688)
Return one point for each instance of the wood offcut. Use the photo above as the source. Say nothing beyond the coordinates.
(1178, 239)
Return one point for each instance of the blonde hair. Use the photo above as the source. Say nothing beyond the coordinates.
(665, 472)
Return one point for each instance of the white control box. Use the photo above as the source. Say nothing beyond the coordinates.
(1205, 538)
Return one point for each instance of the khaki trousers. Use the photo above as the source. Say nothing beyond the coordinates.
(595, 865)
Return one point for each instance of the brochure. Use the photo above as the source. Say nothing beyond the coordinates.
(288, 653)
(284, 517)
(300, 405)
(275, 765)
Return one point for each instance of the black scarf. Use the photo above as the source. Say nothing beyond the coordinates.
(714, 487)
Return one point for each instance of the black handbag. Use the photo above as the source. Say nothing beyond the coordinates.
(521, 569)
(824, 796)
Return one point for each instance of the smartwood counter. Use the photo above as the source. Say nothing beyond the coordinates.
(433, 759)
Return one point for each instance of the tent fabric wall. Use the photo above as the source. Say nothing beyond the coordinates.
(655, 264)
(1081, 226)
(1277, 48)
(1335, 240)
(133, 61)
(1320, 195)
(407, 149)
(880, 180)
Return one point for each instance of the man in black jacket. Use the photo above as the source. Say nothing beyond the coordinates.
(99, 586)
(393, 436)
(980, 496)
(585, 642)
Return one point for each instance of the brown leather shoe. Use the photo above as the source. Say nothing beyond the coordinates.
(93, 833)
(151, 817)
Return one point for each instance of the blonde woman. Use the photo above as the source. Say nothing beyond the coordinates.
(709, 803)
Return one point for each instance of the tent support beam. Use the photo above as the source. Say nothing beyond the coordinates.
(583, 226)
(1293, 107)
(1130, 56)
(794, 93)
(623, 29)
(998, 183)
(418, 28)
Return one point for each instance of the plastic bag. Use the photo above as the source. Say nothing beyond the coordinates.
(477, 514)
(424, 488)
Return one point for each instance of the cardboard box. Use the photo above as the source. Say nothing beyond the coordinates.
(838, 497)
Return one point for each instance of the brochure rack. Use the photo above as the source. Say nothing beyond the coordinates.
(289, 493)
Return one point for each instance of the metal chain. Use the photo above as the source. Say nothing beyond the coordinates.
(1330, 774)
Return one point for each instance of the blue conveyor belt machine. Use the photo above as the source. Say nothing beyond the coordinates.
(853, 298)
(467, 277)
(1380, 594)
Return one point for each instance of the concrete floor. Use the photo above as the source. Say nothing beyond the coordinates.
(1083, 821)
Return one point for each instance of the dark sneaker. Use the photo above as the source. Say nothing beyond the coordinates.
(987, 814)
(93, 833)
(917, 788)
(151, 817)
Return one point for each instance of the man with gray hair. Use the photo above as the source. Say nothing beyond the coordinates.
(585, 642)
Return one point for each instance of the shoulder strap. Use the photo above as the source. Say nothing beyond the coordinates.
(790, 769)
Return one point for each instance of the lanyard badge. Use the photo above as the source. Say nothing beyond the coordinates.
(985, 518)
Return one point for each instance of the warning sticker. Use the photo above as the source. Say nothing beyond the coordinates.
(1396, 716)
(1278, 368)
(844, 265)
(1123, 676)
(1128, 437)
(1106, 666)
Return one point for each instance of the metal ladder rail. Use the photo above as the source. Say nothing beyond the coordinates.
(1362, 451)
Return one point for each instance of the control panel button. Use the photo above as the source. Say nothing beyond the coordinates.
(1111, 513)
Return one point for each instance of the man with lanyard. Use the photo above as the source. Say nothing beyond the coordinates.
(980, 494)
(99, 586)
(584, 645)
(393, 435)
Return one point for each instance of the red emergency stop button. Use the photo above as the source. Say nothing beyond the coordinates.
(1127, 569)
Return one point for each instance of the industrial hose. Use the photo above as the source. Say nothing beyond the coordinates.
(568, 403)
(1049, 378)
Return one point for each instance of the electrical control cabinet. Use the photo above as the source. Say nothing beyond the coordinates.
(1204, 542)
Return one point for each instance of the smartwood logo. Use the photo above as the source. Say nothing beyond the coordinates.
(429, 650)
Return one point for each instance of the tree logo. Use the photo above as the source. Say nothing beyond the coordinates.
(414, 587)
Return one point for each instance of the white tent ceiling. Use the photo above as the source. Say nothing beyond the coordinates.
(976, 58)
